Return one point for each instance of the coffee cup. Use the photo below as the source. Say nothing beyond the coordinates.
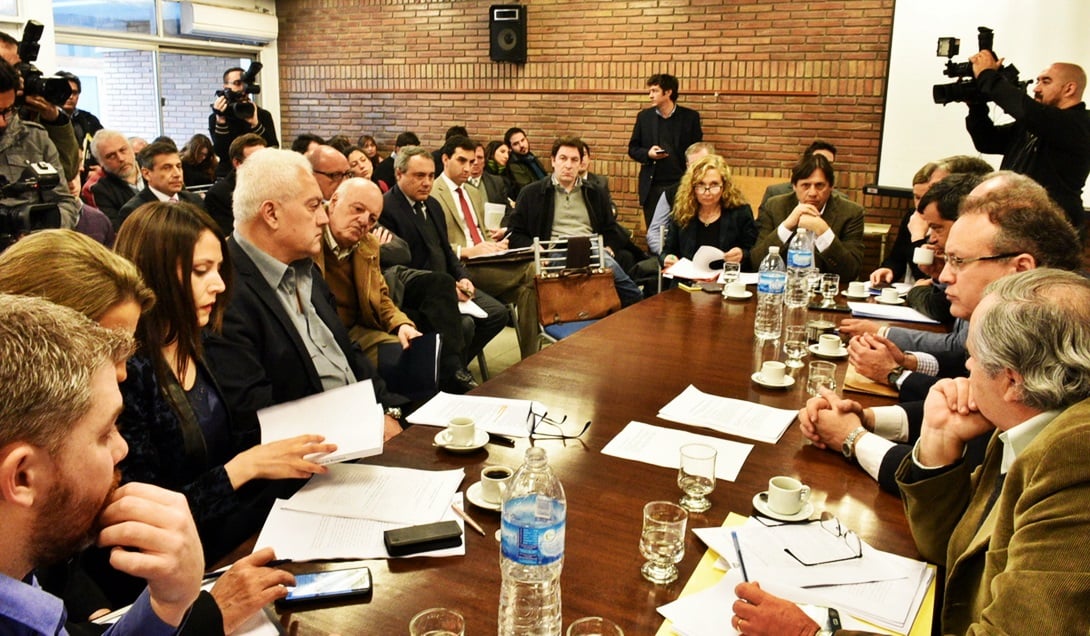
(829, 344)
(773, 372)
(461, 431)
(857, 288)
(494, 480)
(787, 495)
(889, 295)
(815, 328)
(923, 256)
(493, 215)
(737, 288)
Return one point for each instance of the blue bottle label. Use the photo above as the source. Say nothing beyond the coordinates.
(532, 530)
(771, 282)
(800, 259)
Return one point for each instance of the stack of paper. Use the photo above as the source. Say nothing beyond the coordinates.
(889, 312)
(662, 447)
(343, 514)
(727, 415)
(348, 416)
(705, 265)
(878, 587)
(500, 416)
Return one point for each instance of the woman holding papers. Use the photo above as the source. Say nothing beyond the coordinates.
(175, 420)
(709, 210)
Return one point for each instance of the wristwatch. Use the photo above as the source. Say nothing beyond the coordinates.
(848, 447)
(894, 375)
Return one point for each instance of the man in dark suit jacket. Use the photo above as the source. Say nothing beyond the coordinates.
(660, 137)
(161, 168)
(282, 339)
(836, 222)
(121, 177)
(410, 213)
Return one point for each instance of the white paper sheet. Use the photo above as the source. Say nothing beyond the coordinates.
(348, 416)
(699, 267)
(470, 308)
(727, 415)
(889, 312)
(398, 495)
(302, 536)
(662, 447)
(501, 416)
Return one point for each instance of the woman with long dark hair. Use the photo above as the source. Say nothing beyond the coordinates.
(199, 161)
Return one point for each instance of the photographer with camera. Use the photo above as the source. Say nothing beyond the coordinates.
(26, 145)
(1049, 141)
(234, 114)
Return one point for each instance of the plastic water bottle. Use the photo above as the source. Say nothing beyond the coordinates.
(532, 523)
(800, 259)
(771, 280)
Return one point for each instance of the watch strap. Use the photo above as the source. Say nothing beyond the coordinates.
(848, 447)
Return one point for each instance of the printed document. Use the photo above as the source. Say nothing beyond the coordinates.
(727, 415)
(348, 416)
(661, 446)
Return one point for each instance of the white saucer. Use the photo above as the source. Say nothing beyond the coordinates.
(899, 301)
(480, 438)
(473, 494)
(862, 296)
(761, 505)
(747, 294)
(787, 381)
(815, 349)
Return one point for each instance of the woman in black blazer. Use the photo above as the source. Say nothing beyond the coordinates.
(709, 210)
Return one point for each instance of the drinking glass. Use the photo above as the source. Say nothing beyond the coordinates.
(696, 476)
(797, 292)
(437, 621)
(822, 375)
(794, 345)
(815, 281)
(662, 541)
(830, 287)
(594, 626)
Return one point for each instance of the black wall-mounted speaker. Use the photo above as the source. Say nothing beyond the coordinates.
(507, 33)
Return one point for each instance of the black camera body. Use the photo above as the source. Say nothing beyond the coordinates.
(18, 220)
(55, 89)
(965, 88)
(238, 105)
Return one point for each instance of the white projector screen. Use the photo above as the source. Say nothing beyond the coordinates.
(1031, 36)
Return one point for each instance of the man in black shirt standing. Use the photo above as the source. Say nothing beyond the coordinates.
(229, 120)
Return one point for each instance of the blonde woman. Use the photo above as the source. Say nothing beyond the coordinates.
(709, 210)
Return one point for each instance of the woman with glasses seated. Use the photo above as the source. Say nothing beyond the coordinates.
(709, 210)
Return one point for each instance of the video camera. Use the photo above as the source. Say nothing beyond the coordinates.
(965, 88)
(55, 89)
(240, 107)
(16, 221)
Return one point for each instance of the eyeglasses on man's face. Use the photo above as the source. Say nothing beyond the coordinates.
(957, 263)
(336, 176)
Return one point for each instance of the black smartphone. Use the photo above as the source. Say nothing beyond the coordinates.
(329, 585)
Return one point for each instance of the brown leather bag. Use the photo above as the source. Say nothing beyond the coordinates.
(581, 294)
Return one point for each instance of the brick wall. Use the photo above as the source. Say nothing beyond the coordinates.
(189, 84)
(767, 77)
(127, 93)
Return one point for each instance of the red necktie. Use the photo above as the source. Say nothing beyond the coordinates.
(474, 233)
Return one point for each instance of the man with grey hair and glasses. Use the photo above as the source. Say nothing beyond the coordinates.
(1011, 531)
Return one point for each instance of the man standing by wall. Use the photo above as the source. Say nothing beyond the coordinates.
(661, 135)
(229, 120)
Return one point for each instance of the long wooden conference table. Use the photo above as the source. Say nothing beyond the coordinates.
(622, 368)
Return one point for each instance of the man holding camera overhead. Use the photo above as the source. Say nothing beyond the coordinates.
(234, 114)
(1049, 140)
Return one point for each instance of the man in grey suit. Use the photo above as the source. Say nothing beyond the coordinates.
(836, 222)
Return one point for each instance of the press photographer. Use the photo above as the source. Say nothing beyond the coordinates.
(1049, 139)
(235, 114)
(23, 145)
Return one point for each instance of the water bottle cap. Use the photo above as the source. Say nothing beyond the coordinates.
(774, 249)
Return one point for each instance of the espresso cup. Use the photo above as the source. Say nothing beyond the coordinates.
(889, 295)
(737, 288)
(923, 256)
(773, 372)
(857, 288)
(494, 481)
(461, 431)
(786, 495)
(829, 344)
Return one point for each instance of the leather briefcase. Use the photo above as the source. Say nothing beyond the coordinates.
(576, 294)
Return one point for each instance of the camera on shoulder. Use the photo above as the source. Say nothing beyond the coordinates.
(15, 221)
(965, 89)
(55, 89)
(237, 104)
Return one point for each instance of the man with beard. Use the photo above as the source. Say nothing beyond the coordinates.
(59, 450)
(120, 179)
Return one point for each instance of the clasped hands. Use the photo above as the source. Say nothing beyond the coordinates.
(807, 217)
(828, 419)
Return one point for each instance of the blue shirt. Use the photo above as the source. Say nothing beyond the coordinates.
(26, 609)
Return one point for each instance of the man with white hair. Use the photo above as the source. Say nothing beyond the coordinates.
(282, 339)
(120, 180)
(1010, 532)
